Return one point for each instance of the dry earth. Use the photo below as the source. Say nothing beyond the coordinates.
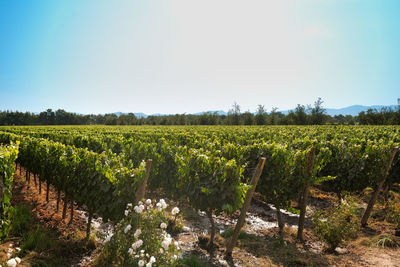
(260, 247)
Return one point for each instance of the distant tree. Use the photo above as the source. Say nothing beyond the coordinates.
(247, 118)
(318, 113)
(261, 115)
(234, 114)
(300, 115)
(208, 118)
(110, 119)
(62, 117)
(273, 116)
(47, 117)
(289, 119)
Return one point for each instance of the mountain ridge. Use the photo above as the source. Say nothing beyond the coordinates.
(352, 110)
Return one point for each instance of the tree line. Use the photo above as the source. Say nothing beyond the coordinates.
(301, 115)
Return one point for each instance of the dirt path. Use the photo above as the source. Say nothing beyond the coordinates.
(66, 239)
(260, 245)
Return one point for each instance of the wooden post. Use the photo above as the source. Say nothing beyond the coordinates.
(281, 225)
(89, 223)
(142, 188)
(245, 207)
(47, 192)
(27, 177)
(1, 188)
(72, 212)
(375, 194)
(306, 190)
(64, 212)
(58, 199)
(212, 229)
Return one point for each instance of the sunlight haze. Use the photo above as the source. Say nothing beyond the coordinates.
(190, 56)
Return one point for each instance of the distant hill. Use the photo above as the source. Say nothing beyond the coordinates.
(143, 115)
(137, 115)
(354, 110)
(350, 110)
(219, 112)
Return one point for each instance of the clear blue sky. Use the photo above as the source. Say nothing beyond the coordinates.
(188, 56)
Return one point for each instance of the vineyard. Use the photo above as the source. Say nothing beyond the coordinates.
(213, 170)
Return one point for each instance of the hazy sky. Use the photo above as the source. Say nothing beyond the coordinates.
(176, 56)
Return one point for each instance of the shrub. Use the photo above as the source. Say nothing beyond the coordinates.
(140, 238)
(192, 261)
(337, 224)
(393, 211)
(21, 220)
(242, 235)
(386, 241)
(38, 240)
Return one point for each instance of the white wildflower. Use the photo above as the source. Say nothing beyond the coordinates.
(140, 203)
(139, 209)
(141, 263)
(12, 263)
(148, 202)
(130, 251)
(108, 238)
(137, 233)
(129, 205)
(163, 226)
(127, 228)
(161, 251)
(148, 264)
(175, 211)
(166, 242)
(18, 260)
(137, 244)
(159, 206)
(126, 212)
(163, 203)
(167, 236)
(152, 259)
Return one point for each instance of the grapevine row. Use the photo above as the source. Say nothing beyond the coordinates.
(210, 166)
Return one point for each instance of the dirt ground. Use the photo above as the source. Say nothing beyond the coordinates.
(260, 245)
(67, 246)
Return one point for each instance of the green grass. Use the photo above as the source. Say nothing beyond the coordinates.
(38, 240)
(192, 261)
(242, 235)
(386, 241)
(21, 220)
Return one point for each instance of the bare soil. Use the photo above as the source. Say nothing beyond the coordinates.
(67, 238)
(261, 246)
